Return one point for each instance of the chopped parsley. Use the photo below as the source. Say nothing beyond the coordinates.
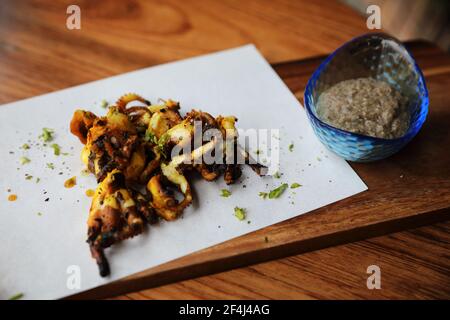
(295, 185)
(38, 180)
(276, 193)
(239, 213)
(225, 193)
(291, 147)
(263, 195)
(47, 134)
(24, 160)
(104, 103)
(25, 146)
(29, 177)
(50, 165)
(17, 296)
(277, 175)
(56, 149)
(150, 137)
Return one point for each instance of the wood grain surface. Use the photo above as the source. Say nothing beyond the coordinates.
(414, 265)
(38, 54)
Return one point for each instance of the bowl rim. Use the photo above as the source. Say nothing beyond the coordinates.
(412, 130)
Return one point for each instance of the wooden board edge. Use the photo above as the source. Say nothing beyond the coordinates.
(264, 254)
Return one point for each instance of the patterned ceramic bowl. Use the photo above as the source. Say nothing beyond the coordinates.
(381, 57)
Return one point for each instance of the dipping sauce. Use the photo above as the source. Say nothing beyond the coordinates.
(365, 106)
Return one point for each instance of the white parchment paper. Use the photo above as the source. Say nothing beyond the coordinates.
(42, 243)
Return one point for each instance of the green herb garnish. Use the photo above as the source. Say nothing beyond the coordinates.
(239, 213)
(56, 149)
(263, 195)
(29, 177)
(50, 165)
(295, 185)
(17, 296)
(24, 160)
(225, 193)
(291, 147)
(277, 175)
(104, 103)
(47, 134)
(276, 193)
(25, 146)
(38, 180)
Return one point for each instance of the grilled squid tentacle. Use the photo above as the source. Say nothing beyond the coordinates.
(113, 217)
(124, 100)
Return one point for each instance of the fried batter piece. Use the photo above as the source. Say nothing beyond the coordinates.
(140, 155)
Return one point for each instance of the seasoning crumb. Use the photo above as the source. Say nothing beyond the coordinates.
(70, 182)
(291, 147)
(56, 149)
(239, 213)
(90, 193)
(276, 193)
(266, 239)
(46, 200)
(47, 135)
(12, 197)
(24, 160)
(295, 185)
(17, 296)
(104, 103)
(225, 193)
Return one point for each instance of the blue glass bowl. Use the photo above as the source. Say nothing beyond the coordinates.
(381, 57)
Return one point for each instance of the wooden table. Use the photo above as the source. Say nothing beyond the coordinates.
(38, 55)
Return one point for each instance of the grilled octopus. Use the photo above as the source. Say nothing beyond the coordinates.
(131, 152)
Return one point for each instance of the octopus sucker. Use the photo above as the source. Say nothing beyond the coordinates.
(140, 178)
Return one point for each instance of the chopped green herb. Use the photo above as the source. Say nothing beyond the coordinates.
(276, 193)
(39, 214)
(25, 146)
(258, 152)
(104, 103)
(56, 149)
(150, 137)
(65, 153)
(277, 175)
(225, 193)
(291, 147)
(239, 213)
(38, 180)
(24, 160)
(47, 134)
(263, 195)
(50, 165)
(295, 185)
(29, 177)
(17, 296)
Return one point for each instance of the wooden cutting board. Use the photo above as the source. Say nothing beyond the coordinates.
(409, 189)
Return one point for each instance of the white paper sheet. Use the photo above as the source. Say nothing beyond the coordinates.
(38, 250)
